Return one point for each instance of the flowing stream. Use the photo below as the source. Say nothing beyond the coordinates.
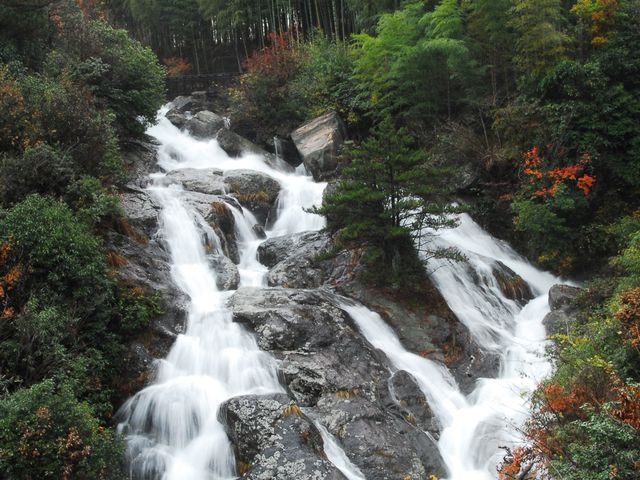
(474, 427)
(172, 427)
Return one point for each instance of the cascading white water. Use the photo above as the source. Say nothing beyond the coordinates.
(172, 427)
(474, 428)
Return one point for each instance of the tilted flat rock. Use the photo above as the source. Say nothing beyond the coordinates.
(205, 180)
(254, 190)
(318, 141)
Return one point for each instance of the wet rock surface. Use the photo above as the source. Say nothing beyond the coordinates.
(256, 191)
(295, 260)
(227, 276)
(330, 373)
(204, 124)
(511, 284)
(206, 180)
(329, 368)
(274, 439)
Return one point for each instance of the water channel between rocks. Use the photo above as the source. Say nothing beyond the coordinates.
(173, 426)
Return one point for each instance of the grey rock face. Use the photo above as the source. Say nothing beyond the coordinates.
(141, 210)
(293, 259)
(273, 439)
(254, 190)
(177, 118)
(410, 398)
(318, 142)
(227, 275)
(235, 145)
(207, 180)
(184, 104)
(562, 296)
(563, 312)
(328, 367)
(204, 124)
(139, 157)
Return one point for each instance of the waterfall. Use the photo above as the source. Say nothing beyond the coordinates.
(171, 426)
(473, 428)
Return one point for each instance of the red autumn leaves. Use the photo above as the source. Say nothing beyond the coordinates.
(547, 181)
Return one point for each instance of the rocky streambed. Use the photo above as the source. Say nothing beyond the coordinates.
(331, 377)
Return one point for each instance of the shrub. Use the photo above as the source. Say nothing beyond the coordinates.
(59, 252)
(40, 169)
(45, 432)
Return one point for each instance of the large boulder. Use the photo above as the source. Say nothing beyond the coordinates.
(202, 180)
(204, 124)
(227, 275)
(254, 190)
(177, 118)
(274, 440)
(563, 297)
(235, 145)
(564, 310)
(337, 376)
(318, 142)
(185, 103)
(294, 259)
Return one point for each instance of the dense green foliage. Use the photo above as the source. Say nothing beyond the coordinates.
(528, 108)
(45, 432)
(538, 102)
(385, 198)
(71, 90)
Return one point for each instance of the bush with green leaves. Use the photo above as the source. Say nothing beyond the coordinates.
(45, 432)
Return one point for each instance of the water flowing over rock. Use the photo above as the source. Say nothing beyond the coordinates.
(256, 191)
(306, 372)
(235, 145)
(318, 142)
(286, 149)
(329, 368)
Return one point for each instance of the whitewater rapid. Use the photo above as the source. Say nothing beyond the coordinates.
(171, 426)
(474, 428)
(172, 429)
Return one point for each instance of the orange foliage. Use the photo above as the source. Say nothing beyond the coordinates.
(554, 177)
(177, 66)
(13, 110)
(598, 16)
(629, 316)
(628, 409)
(558, 400)
(277, 59)
(517, 463)
(7, 281)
